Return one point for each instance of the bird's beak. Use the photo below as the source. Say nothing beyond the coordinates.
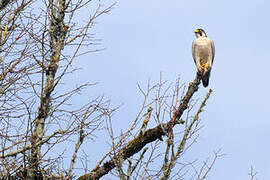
(196, 31)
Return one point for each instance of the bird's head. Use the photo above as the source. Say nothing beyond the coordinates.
(200, 33)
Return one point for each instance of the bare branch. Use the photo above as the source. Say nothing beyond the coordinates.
(252, 174)
(150, 135)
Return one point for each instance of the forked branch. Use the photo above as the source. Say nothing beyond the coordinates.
(142, 139)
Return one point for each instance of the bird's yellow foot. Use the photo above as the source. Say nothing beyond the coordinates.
(204, 66)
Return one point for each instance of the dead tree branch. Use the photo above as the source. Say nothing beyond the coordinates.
(151, 135)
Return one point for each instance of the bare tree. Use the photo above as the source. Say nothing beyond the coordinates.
(39, 41)
(168, 109)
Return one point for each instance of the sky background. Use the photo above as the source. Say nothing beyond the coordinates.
(143, 38)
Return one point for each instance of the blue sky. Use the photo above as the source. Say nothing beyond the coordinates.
(144, 38)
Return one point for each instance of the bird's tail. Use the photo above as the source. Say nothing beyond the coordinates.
(205, 78)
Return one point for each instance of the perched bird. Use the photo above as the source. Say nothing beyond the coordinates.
(203, 52)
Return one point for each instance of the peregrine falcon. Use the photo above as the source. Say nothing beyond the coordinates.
(203, 52)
